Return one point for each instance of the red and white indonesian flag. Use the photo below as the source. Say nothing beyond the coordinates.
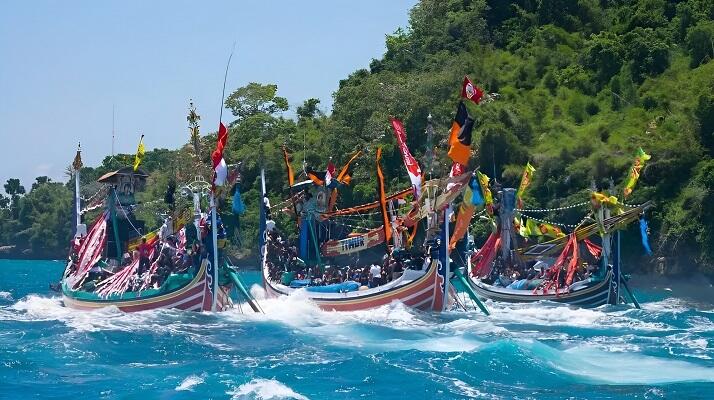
(330, 173)
(409, 161)
(220, 169)
(471, 91)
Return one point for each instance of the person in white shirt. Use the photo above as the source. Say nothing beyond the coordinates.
(375, 272)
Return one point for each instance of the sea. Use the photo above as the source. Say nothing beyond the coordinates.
(295, 351)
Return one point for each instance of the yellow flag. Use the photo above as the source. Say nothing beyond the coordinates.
(487, 197)
(139, 153)
(640, 158)
(525, 181)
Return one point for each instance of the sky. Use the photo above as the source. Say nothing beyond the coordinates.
(64, 65)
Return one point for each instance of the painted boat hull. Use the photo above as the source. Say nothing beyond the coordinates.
(590, 295)
(424, 293)
(196, 295)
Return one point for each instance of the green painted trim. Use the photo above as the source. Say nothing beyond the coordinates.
(470, 291)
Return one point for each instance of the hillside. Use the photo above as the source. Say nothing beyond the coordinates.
(581, 85)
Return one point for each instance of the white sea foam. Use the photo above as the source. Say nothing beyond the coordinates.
(597, 366)
(465, 389)
(189, 383)
(264, 389)
(5, 295)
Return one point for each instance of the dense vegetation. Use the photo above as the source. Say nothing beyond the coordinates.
(581, 85)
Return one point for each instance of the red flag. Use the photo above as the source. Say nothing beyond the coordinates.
(220, 169)
(457, 169)
(471, 91)
(410, 162)
(329, 173)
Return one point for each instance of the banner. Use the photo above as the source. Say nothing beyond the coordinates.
(463, 219)
(288, 167)
(139, 153)
(640, 158)
(485, 191)
(353, 244)
(460, 136)
(525, 181)
(387, 226)
(410, 162)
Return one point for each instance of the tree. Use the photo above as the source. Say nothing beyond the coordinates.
(255, 98)
(309, 110)
(40, 180)
(700, 42)
(14, 188)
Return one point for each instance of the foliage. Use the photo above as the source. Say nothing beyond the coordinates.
(581, 84)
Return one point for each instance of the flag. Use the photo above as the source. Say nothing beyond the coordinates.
(383, 200)
(485, 191)
(220, 169)
(476, 192)
(463, 219)
(330, 175)
(410, 162)
(344, 177)
(238, 207)
(471, 91)
(457, 169)
(460, 136)
(139, 153)
(525, 181)
(640, 158)
(318, 178)
(545, 229)
(644, 227)
(289, 168)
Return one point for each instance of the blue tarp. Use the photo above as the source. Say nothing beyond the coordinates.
(348, 286)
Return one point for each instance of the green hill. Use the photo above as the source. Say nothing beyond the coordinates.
(581, 85)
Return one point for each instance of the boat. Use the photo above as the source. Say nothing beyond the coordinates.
(606, 284)
(117, 263)
(424, 283)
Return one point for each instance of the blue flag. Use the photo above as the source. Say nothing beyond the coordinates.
(476, 196)
(645, 240)
(238, 206)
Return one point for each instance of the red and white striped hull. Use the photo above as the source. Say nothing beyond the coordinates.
(424, 293)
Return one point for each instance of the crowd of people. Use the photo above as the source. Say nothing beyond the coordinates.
(158, 258)
(538, 274)
(284, 266)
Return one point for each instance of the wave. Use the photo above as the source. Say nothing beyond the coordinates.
(189, 383)
(265, 389)
(6, 296)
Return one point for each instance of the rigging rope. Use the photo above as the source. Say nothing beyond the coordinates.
(553, 209)
(572, 226)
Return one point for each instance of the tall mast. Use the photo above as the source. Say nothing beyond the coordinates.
(77, 165)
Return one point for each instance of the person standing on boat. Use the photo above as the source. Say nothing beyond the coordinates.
(144, 250)
(375, 272)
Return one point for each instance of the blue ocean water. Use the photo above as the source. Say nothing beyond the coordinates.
(542, 351)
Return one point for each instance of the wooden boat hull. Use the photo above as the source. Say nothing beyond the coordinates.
(592, 294)
(424, 293)
(194, 296)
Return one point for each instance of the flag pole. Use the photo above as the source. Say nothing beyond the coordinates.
(77, 198)
(214, 208)
(214, 233)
